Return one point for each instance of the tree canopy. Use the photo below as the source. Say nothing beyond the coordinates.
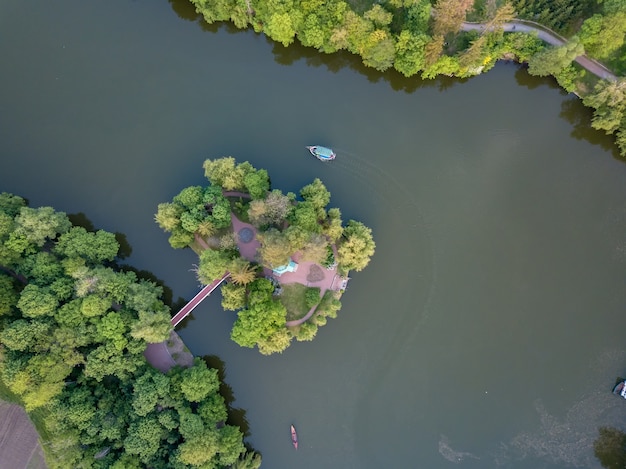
(73, 330)
(284, 228)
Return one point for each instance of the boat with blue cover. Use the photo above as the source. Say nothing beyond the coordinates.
(322, 153)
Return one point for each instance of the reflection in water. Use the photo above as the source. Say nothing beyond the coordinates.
(610, 448)
(333, 62)
(342, 59)
(236, 416)
(572, 110)
(80, 219)
(185, 10)
(450, 454)
(523, 78)
(577, 114)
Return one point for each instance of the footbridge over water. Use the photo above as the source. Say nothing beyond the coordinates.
(196, 300)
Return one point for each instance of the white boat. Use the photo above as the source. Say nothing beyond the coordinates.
(322, 153)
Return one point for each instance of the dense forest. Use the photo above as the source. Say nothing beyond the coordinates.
(73, 330)
(430, 37)
(285, 226)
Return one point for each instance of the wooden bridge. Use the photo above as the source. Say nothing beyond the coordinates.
(196, 300)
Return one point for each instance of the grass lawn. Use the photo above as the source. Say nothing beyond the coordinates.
(293, 298)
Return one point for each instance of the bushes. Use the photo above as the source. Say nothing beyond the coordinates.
(312, 297)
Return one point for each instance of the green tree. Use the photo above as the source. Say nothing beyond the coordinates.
(257, 183)
(333, 228)
(552, 60)
(38, 225)
(42, 268)
(312, 34)
(198, 450)
(317, 194)
(219, 170)
(213, 410)
(152, 327)
(263, 319)
(230, 443)
(21, 335)
(198, 382)
(275, 248)
(312, 296)
(275, 343)
(378, 50)
(93, 247)
(272, 210)
(94, 305)
(233, 297)
(150, 389)
(213, 264)
(241, 271)
(36, 301)
(609, 101)
(249, 460)
(8, 295)
(378, 15)
(306, 332)
(357, 247)
(305, 216)
(280, 28)
(315, 249)
(11, 204)
(144, 438)
(410, 52)
(168, 216)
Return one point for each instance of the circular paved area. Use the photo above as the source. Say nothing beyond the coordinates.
(245, 235)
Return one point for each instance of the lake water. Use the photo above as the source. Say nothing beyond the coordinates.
(489, 327)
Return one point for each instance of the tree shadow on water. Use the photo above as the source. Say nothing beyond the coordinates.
(236, 416)
(342, 59)
(80, 219)
(525, 79)
(610, 448)
(579, 116)
(185, 10)
(334, 62)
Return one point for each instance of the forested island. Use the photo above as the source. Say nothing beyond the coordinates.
(461, 38)
(288, 258)
(73, 330)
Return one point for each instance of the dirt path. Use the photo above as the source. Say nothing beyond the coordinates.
(550, 37)
(19, 442)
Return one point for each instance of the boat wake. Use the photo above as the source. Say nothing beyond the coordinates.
(412, 238)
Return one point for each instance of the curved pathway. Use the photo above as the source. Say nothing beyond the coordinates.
(549, 36)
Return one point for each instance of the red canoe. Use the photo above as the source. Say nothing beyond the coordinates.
(294, 437)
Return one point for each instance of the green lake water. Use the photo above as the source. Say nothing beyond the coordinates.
(489, 327)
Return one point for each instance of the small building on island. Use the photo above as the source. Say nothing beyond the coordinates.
(292, 266)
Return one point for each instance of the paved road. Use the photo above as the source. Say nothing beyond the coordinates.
(551, 38)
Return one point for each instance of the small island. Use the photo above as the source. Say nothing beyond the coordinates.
(286, 258)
